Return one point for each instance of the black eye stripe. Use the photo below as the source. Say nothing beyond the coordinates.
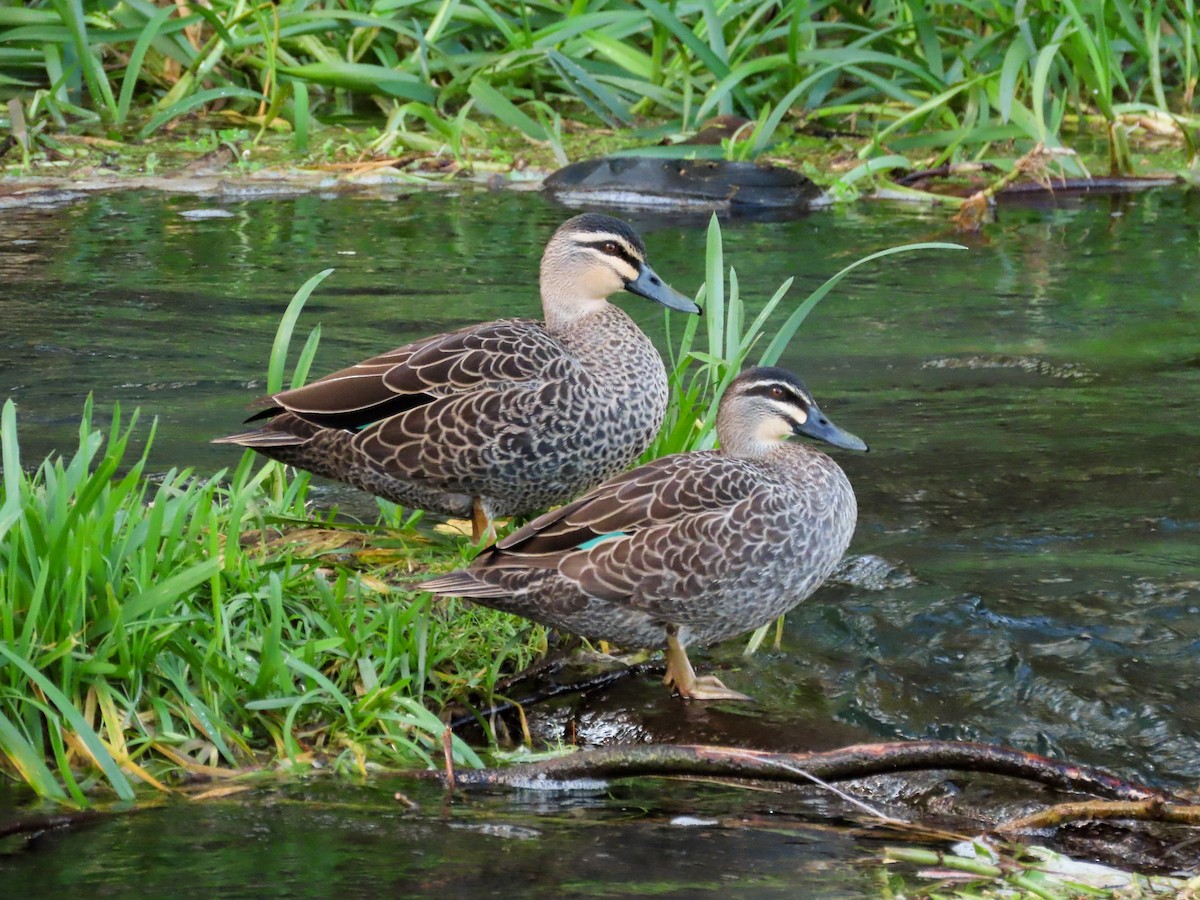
(766, 390)
(621, 251)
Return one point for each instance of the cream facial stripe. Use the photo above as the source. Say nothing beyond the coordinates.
(791, 412)
(774, 428)
(592, 238)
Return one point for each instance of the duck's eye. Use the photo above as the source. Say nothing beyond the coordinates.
(776, 393)
(610, 247)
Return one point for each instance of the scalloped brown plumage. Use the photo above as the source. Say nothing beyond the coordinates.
(501, 418)
(691, 548)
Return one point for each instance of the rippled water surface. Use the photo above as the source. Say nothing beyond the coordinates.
(1027, 563)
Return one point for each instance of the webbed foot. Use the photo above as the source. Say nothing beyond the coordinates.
(709, 687)
(682, 676)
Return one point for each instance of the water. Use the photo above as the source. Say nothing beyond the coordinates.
(328, 839)
(1026, 567)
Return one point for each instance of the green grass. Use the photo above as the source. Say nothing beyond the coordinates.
(930, 83)
(154, 625)
(148, 626)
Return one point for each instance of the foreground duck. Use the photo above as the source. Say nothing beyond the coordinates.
(502, 418)
(692, 548)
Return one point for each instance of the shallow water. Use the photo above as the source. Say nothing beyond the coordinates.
(328, 839)
(1026, 568)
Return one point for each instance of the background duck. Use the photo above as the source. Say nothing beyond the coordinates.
(690, 548)
(501, 418)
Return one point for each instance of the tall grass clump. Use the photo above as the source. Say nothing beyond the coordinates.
(145, 633)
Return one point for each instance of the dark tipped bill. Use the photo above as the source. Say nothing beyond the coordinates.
(818, 426)
(650, 286)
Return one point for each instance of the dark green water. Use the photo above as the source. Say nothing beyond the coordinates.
(1029, 525)
(344, 840)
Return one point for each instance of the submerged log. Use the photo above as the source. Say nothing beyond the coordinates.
(843, 764)
(39, 823)
(683, 183)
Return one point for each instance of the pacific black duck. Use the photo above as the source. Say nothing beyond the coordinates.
(692, 548)
(502, 418)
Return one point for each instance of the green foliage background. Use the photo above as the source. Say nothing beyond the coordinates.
(942, 81)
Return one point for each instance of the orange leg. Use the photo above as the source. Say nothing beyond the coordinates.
(481, 525)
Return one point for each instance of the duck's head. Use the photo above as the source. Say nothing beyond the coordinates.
(591, 257)
(763, 406)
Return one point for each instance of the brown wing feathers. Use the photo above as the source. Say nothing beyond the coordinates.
(412, 376)
(667, 493)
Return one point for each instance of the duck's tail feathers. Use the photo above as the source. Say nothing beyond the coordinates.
(262, 438)
(463, 584)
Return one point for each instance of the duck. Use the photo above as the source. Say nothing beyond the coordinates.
(503, 418)
(691, 548)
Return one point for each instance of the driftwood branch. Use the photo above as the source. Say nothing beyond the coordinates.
(1034, 164)
(1143, 811)
(858, 761)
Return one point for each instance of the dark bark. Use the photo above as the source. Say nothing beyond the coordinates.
(858, 761)
(32, 826)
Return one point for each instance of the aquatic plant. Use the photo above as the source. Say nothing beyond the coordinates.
(703, 365)
(942, 82)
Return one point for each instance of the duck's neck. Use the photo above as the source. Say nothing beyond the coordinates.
(749, 438)
(564, 314)
(770, 449)
(567, 301)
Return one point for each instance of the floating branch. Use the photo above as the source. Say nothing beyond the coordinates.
(1034, 164)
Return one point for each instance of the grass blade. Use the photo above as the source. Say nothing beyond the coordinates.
(28, 762)
(283, 334)
(134, 67)
(493, 102)
(187, 104)
(300, 118)
(664, 16)
(71, 13)
(779, 343)
(613, 110)
(10, 457)
(166, 591)
(365, 78)
(1014, 60)
(91, 740)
